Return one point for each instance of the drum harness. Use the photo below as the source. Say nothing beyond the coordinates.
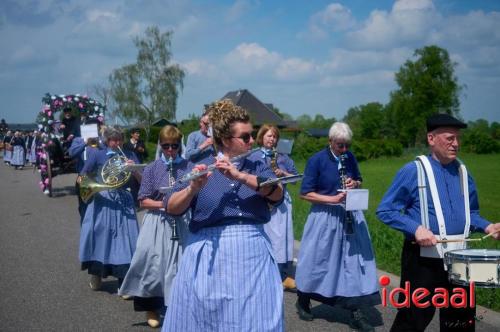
(424, 167)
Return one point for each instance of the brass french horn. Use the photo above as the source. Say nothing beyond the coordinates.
(114, 175)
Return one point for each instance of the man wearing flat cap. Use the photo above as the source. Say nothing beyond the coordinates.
(431, 199)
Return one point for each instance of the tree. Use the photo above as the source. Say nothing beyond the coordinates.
(427, 86)
(148, 89)
(103, 94)
(284, 116)
(366, 121)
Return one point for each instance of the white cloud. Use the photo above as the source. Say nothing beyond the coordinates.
(294, 69)
(96, 15)
(238, 9)
(251, 57)
(201, 68)
(333, 18)
(344, 61)
(408, 23)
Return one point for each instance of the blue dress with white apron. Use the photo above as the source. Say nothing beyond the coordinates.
(18, 151)
(32, 154)
(109, 229)
(7, 155)
(228, 279)
(280, 228)
(157, 256)
(335, 267)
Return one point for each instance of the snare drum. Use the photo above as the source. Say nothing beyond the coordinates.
(479, 265)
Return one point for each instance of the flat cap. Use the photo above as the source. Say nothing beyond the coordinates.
(443, 120)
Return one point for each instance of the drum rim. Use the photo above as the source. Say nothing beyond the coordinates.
(453, 254)
(480, 284)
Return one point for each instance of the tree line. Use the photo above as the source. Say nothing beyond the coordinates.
(147, 89)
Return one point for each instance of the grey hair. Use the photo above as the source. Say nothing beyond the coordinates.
(112, 132)
(340, 131)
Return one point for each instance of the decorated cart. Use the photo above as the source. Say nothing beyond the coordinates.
(52, 158)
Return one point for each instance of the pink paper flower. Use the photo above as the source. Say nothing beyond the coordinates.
(41, 185)
(46, 181)
(80, 105)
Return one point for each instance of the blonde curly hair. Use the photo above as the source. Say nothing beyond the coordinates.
(222, 114)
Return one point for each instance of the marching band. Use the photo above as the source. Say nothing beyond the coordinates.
(214, 250)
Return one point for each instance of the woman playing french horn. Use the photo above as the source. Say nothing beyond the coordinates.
(159, 246)
(109, 228)
(227, 279)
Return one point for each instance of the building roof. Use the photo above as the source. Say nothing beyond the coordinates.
(259, 112)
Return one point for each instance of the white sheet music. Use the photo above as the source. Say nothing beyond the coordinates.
(89, 131)
(357, 199)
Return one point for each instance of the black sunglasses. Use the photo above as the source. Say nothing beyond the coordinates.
(342, 145)
(245, 137)
(166, 146)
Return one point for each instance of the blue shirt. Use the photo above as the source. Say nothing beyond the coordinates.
(77, 150)
(157, 175)
(222, 199)
(193, 153)
(400, 206)
(322, 175)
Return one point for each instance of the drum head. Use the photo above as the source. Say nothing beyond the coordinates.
(475, 253)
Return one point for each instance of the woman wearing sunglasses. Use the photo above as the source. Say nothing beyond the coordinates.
(158, 252)
(227, 279)
(336, 265)
(280, 228)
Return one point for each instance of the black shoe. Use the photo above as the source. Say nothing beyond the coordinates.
(304, 314)
(359, 322)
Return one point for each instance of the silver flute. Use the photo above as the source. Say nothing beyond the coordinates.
(196, 174)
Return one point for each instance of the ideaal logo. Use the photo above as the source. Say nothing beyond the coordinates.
(441, 298)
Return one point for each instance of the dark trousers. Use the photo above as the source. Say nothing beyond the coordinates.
(149, 304)
(285, 270)
(430, 274)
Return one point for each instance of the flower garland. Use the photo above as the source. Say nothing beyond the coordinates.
(45, 120)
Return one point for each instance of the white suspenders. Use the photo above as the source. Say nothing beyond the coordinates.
(424, 168)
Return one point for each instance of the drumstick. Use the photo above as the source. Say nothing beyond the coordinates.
(458, 240)
(488, 235)
(455, 240)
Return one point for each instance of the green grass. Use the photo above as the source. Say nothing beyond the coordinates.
(378, 175)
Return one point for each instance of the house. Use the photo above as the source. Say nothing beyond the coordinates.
(260, 113)
(162, 123)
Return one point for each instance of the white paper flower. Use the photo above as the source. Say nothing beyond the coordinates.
(96, 108)
(52, 97)
(76, 99)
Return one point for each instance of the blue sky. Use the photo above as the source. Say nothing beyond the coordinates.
(305, 57)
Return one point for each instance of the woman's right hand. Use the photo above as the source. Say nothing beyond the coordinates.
(199, 182)
(339, 198)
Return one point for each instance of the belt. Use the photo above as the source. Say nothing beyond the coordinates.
(230, 222)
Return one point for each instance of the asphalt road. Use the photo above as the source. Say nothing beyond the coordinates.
(43, 289)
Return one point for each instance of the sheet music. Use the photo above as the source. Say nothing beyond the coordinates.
(357, 199)
(284, 146)
(89, 131)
